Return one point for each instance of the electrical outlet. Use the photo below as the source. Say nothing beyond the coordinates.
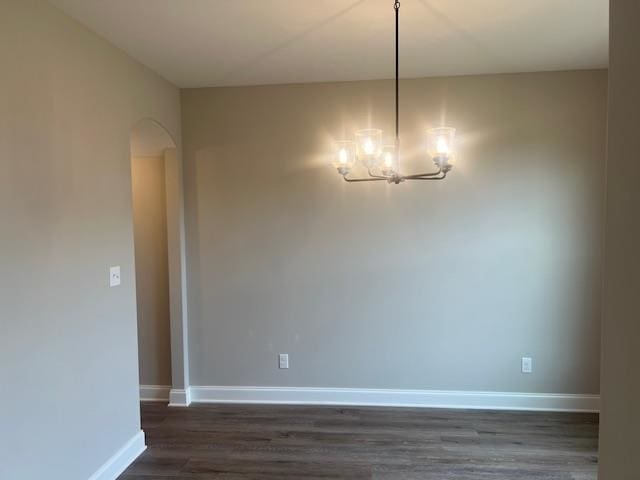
(283, 360)
(527, 365)
(114, 276)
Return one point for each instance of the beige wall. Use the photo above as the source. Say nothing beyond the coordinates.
(68, 347)
(423, 285)
(152, 272)
(620, 419)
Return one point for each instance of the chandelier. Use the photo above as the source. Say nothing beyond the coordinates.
(381, 160)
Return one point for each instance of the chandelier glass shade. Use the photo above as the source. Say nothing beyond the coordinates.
(382, 160)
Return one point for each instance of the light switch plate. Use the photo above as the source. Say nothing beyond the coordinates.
(527, 365)
(114, 276)
(283, 360)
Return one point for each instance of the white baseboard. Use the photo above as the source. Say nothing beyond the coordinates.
(120, 460)
(179, 397)
(154, 393)
(397, 398)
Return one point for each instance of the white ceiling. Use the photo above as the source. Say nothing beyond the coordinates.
(196, 43)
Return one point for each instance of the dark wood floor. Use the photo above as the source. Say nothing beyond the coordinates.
(297, 442)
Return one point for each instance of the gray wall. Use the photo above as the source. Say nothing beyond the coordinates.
(620, 418)
(152, 269)
(68, 348)
(423, 285)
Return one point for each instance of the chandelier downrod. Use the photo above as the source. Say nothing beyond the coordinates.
(396, 7)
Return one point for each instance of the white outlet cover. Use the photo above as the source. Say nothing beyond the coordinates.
(527, 365)
(114, 276)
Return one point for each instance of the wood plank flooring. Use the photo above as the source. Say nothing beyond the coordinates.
(299, 442)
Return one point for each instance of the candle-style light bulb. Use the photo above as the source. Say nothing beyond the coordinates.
(345, 156)
(369, 146)
(441, 146)
(389, 165)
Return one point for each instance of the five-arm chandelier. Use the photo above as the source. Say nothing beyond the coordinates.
(382, 160)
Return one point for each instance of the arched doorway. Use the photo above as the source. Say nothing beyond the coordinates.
(159, 258)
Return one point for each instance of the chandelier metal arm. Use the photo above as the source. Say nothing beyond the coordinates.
(418, 176)
(440, 176)
(372, 179)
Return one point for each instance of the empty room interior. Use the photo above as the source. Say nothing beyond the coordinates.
(287, 239)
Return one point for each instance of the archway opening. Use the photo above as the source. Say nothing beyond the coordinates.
(153, 153)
